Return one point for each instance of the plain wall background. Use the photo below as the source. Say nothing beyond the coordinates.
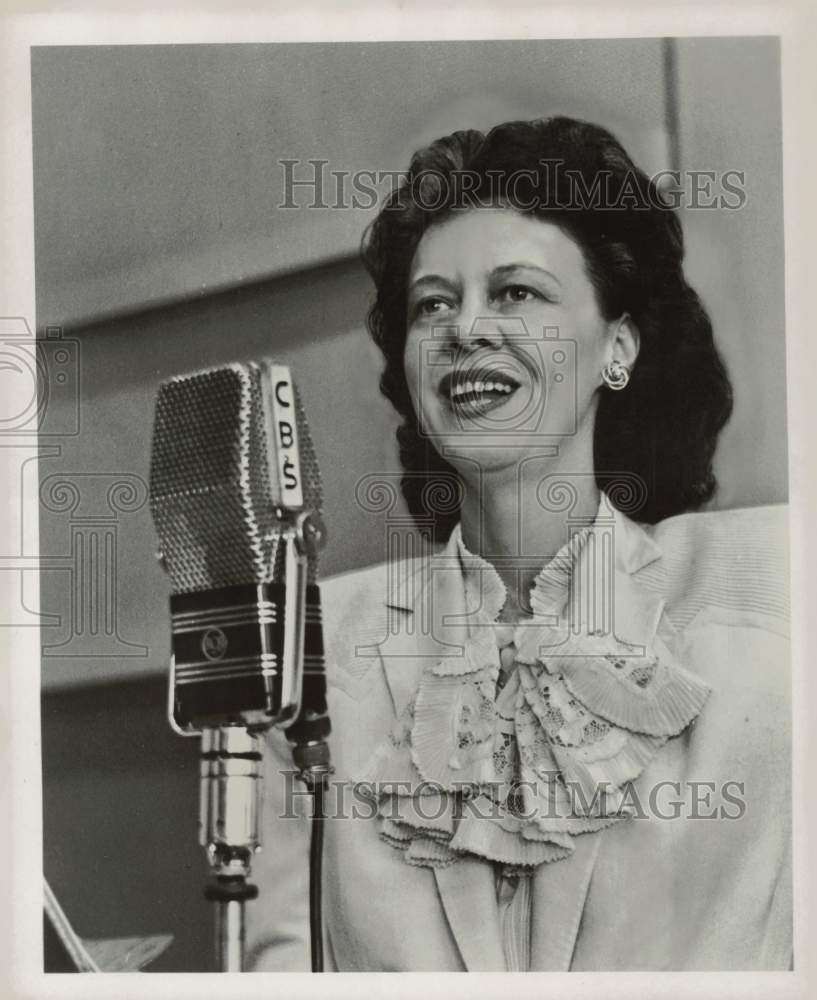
(159, 249)
(156, 167)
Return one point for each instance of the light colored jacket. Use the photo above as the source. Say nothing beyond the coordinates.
(693, 892)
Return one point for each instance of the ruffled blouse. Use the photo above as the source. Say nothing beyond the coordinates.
(512, 763)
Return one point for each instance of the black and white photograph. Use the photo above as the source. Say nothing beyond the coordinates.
(405, 500)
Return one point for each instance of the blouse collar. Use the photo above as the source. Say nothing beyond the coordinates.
(590, 706)
(485, 592)
(633, 549)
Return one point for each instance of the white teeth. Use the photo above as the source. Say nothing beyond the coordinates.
(459, 390)
(469, 388)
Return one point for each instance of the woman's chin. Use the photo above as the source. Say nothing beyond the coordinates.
(486, 456)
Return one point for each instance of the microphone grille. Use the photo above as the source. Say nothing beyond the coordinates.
(215, 495)
(210, 485)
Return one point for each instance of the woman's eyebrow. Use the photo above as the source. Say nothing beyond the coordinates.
(431, 279)
(505, 270)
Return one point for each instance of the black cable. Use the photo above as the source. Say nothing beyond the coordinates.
(310, 754)
(315, 866)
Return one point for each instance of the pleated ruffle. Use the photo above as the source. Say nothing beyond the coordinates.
(514, 774)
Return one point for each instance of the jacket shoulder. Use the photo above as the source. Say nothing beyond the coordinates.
(355, 621)
(352, 596)
(734, 559)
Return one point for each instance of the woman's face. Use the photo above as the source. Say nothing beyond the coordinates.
(505, 341)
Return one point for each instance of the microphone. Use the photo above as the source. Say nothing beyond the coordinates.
(236, 500)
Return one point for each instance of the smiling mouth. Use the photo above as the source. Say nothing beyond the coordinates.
(477, 391)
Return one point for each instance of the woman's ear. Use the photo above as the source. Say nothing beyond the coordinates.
(626, 341)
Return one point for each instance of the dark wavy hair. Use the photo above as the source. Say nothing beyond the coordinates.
(663, 428)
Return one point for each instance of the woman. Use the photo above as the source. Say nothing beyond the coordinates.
(560, 731)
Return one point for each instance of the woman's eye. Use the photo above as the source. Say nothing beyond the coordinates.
(516, 293)
(430, 306)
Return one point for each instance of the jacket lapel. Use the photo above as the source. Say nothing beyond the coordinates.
(622, 608)
(559, 895)
(468, 895)
(604, 594)
(427, 621)
(423, 595)
(427, 615)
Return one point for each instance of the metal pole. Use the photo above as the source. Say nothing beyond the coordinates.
(230, 935)
(230, 807)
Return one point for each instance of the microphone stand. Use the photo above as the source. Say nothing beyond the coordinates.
(231, 781)
(231, 778)
(231, 789)
(242, 636)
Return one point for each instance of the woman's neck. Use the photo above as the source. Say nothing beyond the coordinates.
(507, 520)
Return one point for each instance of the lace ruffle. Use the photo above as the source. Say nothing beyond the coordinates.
(513, 774)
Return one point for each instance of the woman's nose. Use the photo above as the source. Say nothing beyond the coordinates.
(481, 330)
(478, 325)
